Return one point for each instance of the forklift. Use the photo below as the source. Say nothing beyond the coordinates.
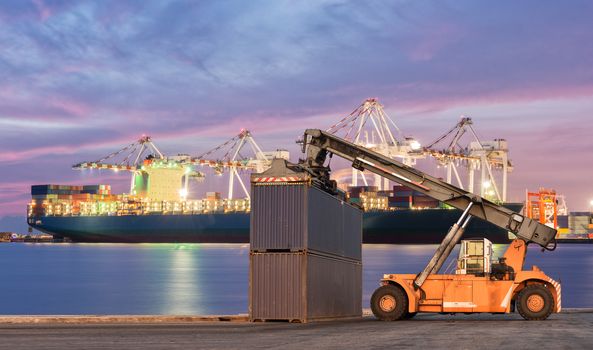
(479, 284)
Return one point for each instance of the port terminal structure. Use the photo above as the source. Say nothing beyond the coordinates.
(160, 192)
(170, 175)
(370, 126)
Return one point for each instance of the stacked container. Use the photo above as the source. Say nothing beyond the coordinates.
(305, 260)
(405, 197)
(66, 200)
(578, 222)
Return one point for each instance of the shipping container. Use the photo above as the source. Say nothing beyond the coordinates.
(401, 205)
(562, 220)
(296, 217)
(578, 223)
(92, 189)
(303, 287)
(424, 202)
(355, 191)
(213, 195)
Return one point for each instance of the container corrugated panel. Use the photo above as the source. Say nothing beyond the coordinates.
(333, 225)
(334, 288)
(303, 287)
(278, 217)
(276, 283)
(299, 217)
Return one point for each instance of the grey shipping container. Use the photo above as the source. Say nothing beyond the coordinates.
(303, 287)
(578, 224)
(297, 217)
(562, 221)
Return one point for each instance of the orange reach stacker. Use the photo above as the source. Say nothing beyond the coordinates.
(478, 285)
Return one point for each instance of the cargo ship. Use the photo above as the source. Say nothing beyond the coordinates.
(94, 214)
(158, 208)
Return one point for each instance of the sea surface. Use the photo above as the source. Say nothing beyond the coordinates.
(206, 278)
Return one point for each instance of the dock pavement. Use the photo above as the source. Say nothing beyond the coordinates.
(571, 329)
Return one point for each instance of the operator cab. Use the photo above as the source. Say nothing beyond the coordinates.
(475, 257)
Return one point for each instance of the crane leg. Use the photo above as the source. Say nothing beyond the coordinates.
(445, 248)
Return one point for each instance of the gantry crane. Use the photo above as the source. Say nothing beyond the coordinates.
(542, 206)
(369, 126)
(228, 155)
(143, 155)
(478, 285)
(128, 158)
(484, 156)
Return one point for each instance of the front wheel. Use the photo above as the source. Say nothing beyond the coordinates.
(389, 303)
(535, 302)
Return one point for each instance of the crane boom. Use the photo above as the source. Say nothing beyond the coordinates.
(317, 144)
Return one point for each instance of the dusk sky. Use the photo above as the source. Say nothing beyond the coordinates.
(79, 79)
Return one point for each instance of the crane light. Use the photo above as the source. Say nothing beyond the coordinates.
(415, 145)
(183, 193)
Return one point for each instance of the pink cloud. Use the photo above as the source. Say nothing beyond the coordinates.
(432, 40)
(76, 108)
(13, 208)
(44, 11)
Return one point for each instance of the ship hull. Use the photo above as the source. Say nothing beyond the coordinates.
(427, 226)
(202, 228)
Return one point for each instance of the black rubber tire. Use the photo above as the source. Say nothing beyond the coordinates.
(544, 293)
(401, 303)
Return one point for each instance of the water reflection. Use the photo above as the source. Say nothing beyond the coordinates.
(207, 278)
(182, 286)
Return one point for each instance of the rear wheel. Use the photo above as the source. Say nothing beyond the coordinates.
(389, 303)
(535, 302)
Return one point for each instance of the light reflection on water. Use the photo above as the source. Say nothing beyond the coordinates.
(182, 289)
(206, 278)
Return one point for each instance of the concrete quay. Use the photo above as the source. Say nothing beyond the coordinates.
(572, 329)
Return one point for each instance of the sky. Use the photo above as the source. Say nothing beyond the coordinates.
(80, 79)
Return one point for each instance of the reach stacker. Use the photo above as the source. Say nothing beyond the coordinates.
(478, 284)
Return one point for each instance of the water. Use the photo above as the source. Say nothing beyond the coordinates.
(204, 278)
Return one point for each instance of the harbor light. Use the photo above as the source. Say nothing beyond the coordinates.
(183, 193)
(415, 145)
(591, 203)
(486, 184)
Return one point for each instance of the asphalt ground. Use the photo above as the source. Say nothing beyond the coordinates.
(570, 330)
